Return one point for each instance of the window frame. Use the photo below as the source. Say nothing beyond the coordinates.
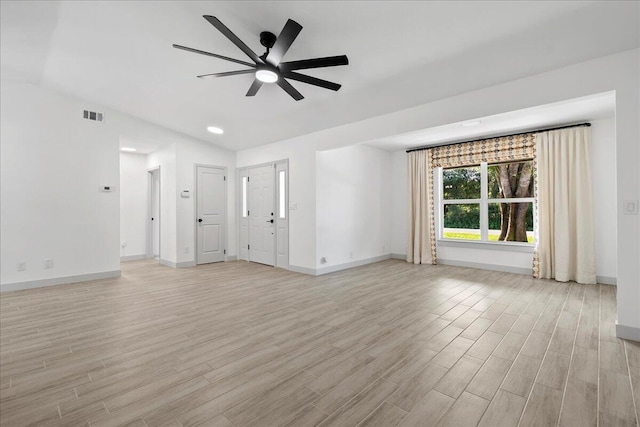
(483, 203)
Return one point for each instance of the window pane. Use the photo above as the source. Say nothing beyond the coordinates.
(461, 183)
(511, 222)
(244, 197)
(281, 195)
(462, 222)
(510, 180)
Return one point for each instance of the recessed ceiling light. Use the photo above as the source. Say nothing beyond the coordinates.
(128, 149)
(473, 123)
(215, 130)
(266, 76)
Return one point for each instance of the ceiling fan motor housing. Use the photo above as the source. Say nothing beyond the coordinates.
(267, 39)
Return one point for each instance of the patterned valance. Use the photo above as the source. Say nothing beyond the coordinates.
(493, 150)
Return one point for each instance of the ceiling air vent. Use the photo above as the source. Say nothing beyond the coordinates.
(92, 115)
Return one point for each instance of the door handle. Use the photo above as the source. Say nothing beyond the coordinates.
(271, 221)
(199, 219)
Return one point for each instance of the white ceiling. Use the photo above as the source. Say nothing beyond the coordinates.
(402, 54)
(579, 110)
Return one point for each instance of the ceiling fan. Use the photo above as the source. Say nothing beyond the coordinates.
(268, 67)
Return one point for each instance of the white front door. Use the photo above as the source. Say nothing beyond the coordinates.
(262, 215)
(210, 214)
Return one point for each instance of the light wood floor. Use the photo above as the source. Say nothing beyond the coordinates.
(237, 344)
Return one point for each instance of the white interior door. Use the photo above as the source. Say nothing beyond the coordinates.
(210, 214)
(154, 211)
(262, 215)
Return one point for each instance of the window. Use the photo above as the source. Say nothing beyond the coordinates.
(488, 202)
(282, 205)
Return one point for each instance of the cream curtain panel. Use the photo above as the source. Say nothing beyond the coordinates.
(421, 243)
(566, 242)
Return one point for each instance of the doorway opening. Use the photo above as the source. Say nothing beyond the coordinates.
(153, 217)
(264, 213)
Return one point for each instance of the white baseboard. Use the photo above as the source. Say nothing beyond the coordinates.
(172, 264)
(482, 266)
(167, 263)
(607, 280)
(125, 258)
(399, 256)
(339, 267)
(303, 270)
(627, 332)
(187, 264)
(19, 286)
(333, 268)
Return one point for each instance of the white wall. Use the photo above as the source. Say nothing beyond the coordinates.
(603, 167)
(399, 202)
(133, 204)
(52, 164)
(353, 209)
(604, 179)
(189, 153)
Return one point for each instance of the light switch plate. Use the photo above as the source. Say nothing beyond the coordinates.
(630, 207)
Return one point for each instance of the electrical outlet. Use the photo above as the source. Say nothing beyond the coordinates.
(47, 263)
(22, 266)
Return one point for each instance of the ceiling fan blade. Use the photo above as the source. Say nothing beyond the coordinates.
(202, 52)
(290, 89)
(283, 42)
(329, 61)
(255, 86)
(234, 39)
(226, 73)
(312, 80)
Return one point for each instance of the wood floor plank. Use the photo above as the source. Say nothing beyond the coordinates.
(429, 411)
(520, 378)
(503, 411)
(489, 377)
(386, 415)
(466, 411)
(543, 407)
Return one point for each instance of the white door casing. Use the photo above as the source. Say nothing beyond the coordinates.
(210, 214)
(262, 215)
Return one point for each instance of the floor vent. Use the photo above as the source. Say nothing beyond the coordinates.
(92, 115)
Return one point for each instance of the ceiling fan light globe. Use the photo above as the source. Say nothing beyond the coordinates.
(266, 76)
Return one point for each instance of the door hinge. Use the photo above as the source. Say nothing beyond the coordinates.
(225, 178)
(248, 246)
(248, 213)
(248, 179)
(225, 251)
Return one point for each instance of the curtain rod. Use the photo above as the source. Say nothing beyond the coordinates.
(499, 136)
